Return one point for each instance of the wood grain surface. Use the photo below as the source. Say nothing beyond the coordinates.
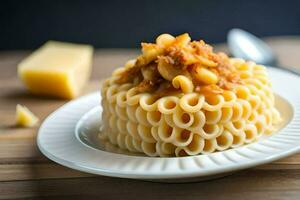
(26, 173)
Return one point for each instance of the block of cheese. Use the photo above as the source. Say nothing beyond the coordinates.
(57, 69)
(24, 117)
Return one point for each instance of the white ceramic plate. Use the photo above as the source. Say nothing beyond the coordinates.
(66, 137)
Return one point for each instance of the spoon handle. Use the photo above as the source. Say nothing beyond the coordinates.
(294, 70)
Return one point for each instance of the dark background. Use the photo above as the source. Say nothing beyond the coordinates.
(28, 24)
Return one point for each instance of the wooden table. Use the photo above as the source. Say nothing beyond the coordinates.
(25, 172)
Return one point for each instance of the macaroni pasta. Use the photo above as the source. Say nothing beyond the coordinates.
(180, 98)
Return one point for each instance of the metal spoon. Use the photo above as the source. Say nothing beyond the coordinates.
(244, 45)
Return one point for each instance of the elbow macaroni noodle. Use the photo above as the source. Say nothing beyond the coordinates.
(188, 122)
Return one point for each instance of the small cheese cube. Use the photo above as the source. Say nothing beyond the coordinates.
(57, 69)
(24, 117)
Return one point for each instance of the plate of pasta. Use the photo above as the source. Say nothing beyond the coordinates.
(178, 111)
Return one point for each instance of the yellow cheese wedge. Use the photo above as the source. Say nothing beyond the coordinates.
(24, 117)
(57, 69)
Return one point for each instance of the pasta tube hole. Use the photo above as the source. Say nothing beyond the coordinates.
(249, 134)
(246, 110)
(237, 140)
(149, 100)
(260, 127)
(260, 109)
(238, 125)
(165, 131)
(196, 144)
(154, 116)
(193, 101)
(242, 93)
(182, 153)
(213, 116)
(244, 67)
(185, 118)
(212, 100)
(169, 131)
(252, 117)
(208, 146)
(245, 75)
(154, 133)
(185, 135)
(199, 120)
(226, 114)
(168, 148)
(222, 140)
(237, 111)
(228, 96)
(209, 128)
(149, 148)
(170, 105)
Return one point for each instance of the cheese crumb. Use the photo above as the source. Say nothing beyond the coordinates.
(24, 117)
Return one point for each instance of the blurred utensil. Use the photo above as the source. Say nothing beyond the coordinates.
(243, 44)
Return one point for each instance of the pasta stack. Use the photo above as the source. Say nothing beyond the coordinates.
(180, 98)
